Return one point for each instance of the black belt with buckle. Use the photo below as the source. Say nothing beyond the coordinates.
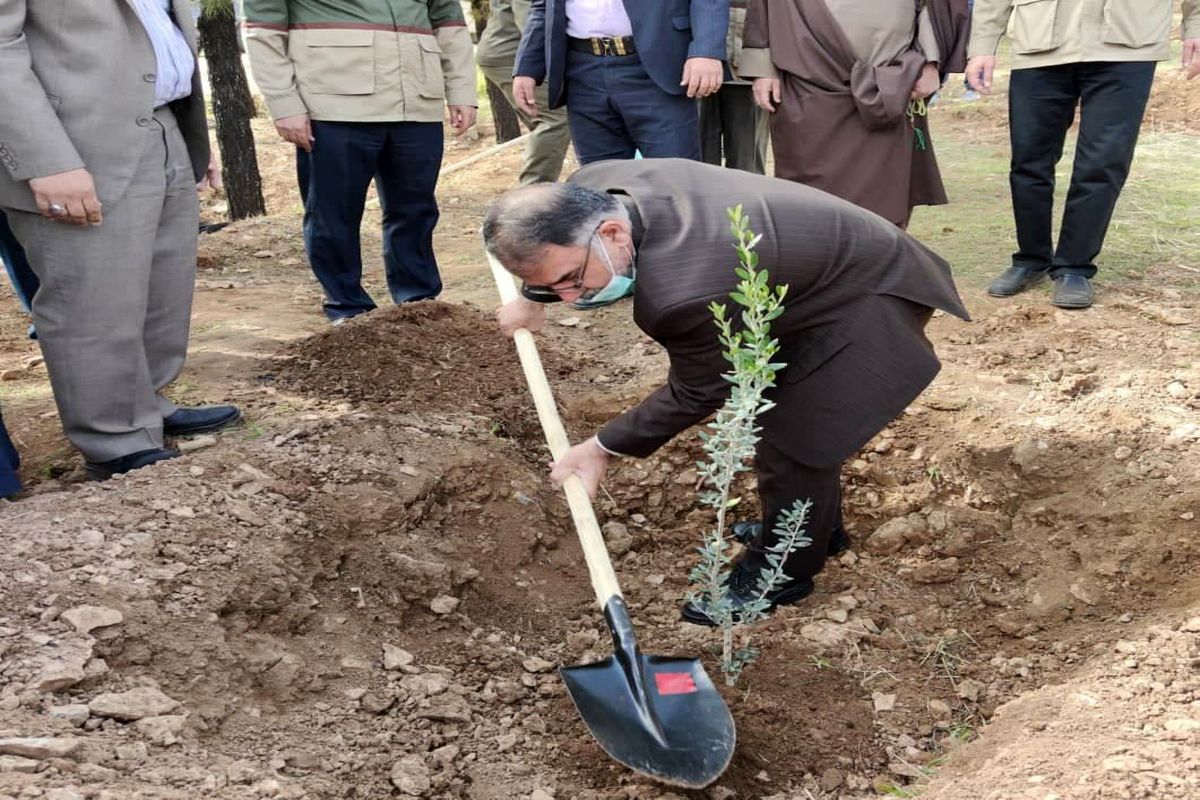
(603, 45)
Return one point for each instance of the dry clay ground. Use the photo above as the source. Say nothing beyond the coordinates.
(364, 592)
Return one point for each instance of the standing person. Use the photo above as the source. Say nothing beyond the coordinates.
(99, 184)
(497, 56)
(845, 82)
(732, 126)
(626, 73)
(360, 87)
(16, 264)
(1097, 56)
(851, 334)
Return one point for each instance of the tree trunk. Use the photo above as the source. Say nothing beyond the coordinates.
(233, 107)
(504, 116)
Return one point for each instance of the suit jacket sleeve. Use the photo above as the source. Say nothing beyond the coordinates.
(710, 23)
(531, 55)
(267, 45)
(756, 44)
(33, 142)
(458, 53)
(695, 389)
(989, 22)
(1191, 20)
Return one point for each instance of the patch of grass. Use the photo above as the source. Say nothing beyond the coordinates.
(962, 731)
(947, 653)
(820, 662)
(252, 431)
(20, 391)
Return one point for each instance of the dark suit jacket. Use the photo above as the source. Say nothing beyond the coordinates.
(76, 87)
(859, 292)
(666, 32)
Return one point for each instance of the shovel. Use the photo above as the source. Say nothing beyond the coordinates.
(658, 716)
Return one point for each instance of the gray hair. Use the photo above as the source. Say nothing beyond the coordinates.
(521, 223)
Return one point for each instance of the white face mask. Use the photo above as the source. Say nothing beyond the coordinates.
(618, 286)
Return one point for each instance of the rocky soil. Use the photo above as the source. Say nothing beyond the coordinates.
(369, 596)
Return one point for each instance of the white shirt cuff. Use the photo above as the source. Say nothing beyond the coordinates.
(607, 450)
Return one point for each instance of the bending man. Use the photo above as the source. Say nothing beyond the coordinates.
(852, 333)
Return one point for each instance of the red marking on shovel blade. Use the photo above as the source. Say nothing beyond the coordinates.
(674, 682)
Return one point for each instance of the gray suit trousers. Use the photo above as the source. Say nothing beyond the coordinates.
(546, 149)
(115, 302)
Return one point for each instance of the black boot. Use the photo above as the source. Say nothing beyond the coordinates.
(201, 419)
(103, 470)
(743, 588)
(747, 532)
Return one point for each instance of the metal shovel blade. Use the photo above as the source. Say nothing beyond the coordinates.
(659, 716)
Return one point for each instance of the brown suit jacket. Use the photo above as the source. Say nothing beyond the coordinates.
(76, 87)
(853, 362)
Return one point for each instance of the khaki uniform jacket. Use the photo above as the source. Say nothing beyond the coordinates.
(502, 37)
(1050, 32)
(76, 87)
(361, 60)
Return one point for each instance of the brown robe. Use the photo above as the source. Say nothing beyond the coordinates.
(842, 124)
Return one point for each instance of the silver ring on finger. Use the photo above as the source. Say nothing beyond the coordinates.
(56, 210)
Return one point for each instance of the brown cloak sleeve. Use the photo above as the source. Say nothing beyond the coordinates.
(951, 23)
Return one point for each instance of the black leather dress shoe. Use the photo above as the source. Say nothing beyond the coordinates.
(747, 532)
(1072, 291)
(204, 419)
(103, 470)
(1014, 280)
(743, 588)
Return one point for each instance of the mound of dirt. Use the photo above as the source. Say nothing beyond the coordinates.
(1141, 743)
(427, 356)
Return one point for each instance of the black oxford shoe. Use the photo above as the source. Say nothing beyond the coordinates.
(103, 470)
(203, 419)
(1072, 291)
(1015, 280)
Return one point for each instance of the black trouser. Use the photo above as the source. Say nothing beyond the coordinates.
(731, 125)
(1041, 106)
(404, 159)
(781, 481)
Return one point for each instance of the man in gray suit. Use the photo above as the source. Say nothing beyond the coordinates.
(103, 140)
(860, 292)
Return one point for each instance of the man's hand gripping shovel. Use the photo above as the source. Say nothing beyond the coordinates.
(659, 716)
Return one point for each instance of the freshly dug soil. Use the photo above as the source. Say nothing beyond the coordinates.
(426, 357)
(263, 584)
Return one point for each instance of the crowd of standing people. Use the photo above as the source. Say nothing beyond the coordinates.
(100, 158)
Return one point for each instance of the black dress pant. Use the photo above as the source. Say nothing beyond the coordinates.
(781, 481)
(733, 130)
(1041, 106)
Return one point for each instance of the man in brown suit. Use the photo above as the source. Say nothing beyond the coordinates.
(852, 333)
(103, 139)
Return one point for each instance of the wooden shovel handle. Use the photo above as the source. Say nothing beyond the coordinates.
(604, 579)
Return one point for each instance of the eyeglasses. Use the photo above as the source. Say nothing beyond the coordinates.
(571, 283)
